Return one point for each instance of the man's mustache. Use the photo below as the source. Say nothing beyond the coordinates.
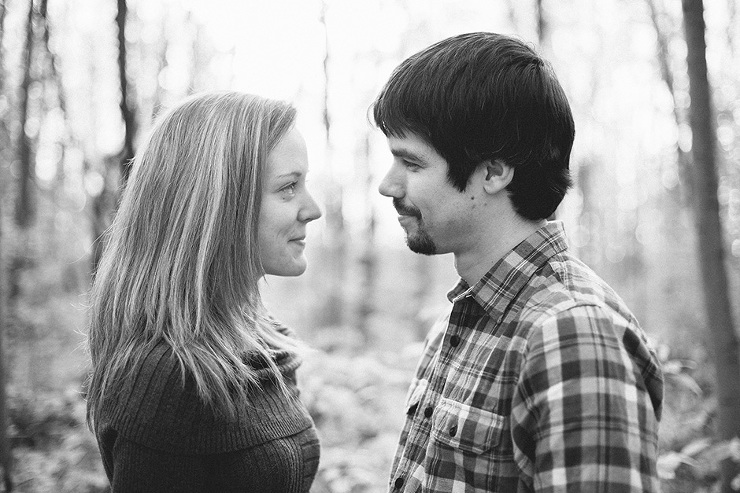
(406, 210)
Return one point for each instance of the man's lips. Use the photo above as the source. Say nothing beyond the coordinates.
(404, 219)
(403, 210)
(405, 216)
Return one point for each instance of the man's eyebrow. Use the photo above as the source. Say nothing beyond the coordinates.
(403, 153)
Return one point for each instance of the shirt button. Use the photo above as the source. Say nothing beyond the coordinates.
(428, 412)
(412, 409)
(454, 340)
(399, 482)
(453, 430)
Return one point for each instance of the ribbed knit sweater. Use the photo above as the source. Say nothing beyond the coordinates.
(156, 435)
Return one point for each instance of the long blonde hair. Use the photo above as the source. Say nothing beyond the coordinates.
(181, 265)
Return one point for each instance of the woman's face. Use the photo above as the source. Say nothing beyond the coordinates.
(286, 208)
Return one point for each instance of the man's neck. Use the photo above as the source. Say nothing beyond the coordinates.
(491, 246)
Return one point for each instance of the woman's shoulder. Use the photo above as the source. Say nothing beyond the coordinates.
(155, 373)
(149, 398)
(160, 409)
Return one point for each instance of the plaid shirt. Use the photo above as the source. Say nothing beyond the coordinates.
(540, 379)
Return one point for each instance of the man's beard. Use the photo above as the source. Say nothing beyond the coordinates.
(419, 242)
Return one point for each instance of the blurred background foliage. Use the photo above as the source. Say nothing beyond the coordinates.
(81, 81)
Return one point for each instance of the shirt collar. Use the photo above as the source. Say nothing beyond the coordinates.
(495, 290)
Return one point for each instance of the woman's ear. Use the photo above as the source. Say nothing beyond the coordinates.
(497, 175)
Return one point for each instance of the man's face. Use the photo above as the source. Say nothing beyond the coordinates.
(436, 216)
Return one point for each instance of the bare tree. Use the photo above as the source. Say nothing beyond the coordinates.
(126, 103)
(2, 30)
(52, 73)
(732, 22)
(24, 211)
(543, 27)
(331, 312)
(368, 256)
(511, 14)
(663, 38)
(24, 206)
(709, 230)
(5, 452)
(104, 203)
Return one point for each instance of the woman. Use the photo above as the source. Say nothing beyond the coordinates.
(193, 384)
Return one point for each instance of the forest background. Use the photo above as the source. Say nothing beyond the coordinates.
(654, 85)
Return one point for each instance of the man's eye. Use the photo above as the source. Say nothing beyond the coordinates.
(410, 165)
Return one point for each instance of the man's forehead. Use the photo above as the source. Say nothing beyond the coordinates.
(411, 145)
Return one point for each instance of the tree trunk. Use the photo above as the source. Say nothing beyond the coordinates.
(511, 15)
(2, 32)
(369, 257)
(543, 31)
(331, 314)
(106, 201)
(709, 230)
(684, 171)
(731, 23)
(53, 66)
(126, 104)
(24, 203)
(5, 451)
(53, 72)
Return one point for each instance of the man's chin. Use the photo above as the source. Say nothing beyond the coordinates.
(423, 245)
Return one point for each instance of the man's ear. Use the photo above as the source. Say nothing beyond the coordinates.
(496, 175)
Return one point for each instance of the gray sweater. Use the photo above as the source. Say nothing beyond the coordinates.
(155, 435)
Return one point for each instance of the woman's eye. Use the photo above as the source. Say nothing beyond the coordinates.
(289, 189)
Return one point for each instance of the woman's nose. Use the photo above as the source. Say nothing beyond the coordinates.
(310, 211)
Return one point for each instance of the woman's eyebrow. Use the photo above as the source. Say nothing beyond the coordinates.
(292, 174)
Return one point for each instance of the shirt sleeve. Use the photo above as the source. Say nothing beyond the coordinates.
(582, 416)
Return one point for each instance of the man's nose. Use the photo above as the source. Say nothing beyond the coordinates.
(392, 184)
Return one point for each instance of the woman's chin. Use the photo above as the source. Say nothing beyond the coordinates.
(294, 269)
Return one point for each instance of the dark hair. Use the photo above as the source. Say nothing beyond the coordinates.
(481, 96)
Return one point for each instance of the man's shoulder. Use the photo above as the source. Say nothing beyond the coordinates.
(565, 285)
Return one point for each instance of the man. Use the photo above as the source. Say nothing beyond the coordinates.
(540, 378)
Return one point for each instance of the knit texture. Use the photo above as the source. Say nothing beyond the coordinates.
(157, 432)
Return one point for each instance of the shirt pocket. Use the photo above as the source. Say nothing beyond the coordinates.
(466, 428)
